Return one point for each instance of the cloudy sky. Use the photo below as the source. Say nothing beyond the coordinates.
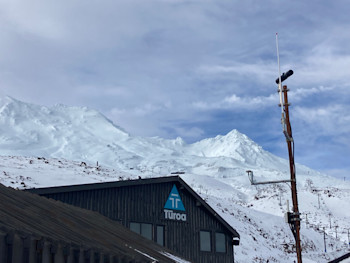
(189, 68)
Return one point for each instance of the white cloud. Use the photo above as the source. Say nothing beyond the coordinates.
(338, 173)
(239, 103)
(140, 110)
(191, 133)
(250, 103)
(101, 91)
(328, 69)
(38, 18)
(331, 120)
(261, 71)
(307, 93)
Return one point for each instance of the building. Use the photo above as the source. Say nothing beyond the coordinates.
(34, 229)
(165, 210)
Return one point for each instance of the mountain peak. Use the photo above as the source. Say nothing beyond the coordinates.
(28, 129)
(234, 145)
(237, 136)
(6, 99)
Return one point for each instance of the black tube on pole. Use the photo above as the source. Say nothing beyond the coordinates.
(284, 76)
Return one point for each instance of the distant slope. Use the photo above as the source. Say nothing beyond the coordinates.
(60, 145)
(86, 135)
(33, 130)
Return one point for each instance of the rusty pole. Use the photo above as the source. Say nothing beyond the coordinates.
(290, 144)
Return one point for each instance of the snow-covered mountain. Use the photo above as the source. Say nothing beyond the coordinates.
(41, 146)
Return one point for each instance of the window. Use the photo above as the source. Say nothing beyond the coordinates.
(205, 241)
(160, 235)
(135, 227)
(146, 231)
(142, 229)
(220, 242)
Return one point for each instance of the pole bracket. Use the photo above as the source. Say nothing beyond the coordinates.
(253, 182)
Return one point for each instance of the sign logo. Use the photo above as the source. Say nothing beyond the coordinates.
(174, 202)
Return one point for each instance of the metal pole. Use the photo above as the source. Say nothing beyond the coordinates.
(289, 139)
(324, 240)
(336, 233)
(306, 220)
(280, 198)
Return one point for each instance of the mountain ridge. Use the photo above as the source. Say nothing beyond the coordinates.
(50, 131)
(61, 145)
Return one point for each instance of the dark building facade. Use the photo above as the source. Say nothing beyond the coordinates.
(165, 210)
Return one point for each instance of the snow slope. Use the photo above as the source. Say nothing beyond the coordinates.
(41, 146)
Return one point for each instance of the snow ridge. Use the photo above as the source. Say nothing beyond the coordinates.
(60, 145)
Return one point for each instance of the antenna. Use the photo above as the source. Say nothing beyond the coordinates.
(283, 120)
(292, 218)
(279, 81)
(279, 75)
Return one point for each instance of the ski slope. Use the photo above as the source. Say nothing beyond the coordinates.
(60, 145)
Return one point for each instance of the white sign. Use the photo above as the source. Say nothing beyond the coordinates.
(170, 214)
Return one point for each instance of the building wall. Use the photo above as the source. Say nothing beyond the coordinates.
(145, 204)
(31, 248)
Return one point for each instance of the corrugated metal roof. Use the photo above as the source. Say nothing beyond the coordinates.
(29, 213)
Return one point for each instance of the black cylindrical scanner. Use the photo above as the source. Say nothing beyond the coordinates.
(284, 76)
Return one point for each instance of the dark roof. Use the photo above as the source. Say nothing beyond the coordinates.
(82, 187)
(340, 259)
(30, 213)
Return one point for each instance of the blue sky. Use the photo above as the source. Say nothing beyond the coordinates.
(193, 69)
